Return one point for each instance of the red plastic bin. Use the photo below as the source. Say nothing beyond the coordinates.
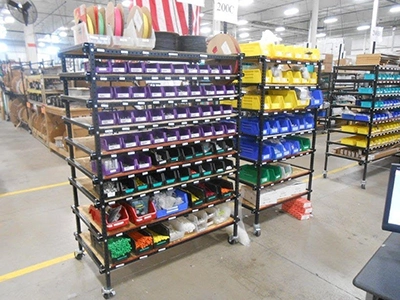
(140, 220)
(123, 221)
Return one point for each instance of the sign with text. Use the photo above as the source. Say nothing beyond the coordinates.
(194, 2)
(226, 10)
(377, 34)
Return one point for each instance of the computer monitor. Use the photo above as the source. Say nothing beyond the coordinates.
(391, 215)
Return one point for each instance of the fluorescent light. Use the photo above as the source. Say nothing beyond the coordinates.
(244, 29)
(244, 35)
(242, 22)
(9, 20)
(205, 23)
(52, 50)
(126, 3)
(55, 39)
(245, 2)
(3, 47)
(330, 20)
(3, 32)
(63, 34)
(363, 27)
(5, 11)
(63, 28)
(291, 11)
(321, 34)
(395, 9)
(280, 29)
(201, 15)
(41, 44)
(205, 30)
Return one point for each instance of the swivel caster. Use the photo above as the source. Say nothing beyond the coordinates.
(256, 229)
(78, 254)
(107, 294)
(325, 174)
(232, 240)
(363, 184)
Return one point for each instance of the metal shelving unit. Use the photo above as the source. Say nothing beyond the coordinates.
(374, 78)
(298, 171)
(91, 185)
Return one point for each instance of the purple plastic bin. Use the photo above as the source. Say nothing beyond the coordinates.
(139, 92)
(183, 91)
(209, 90)
(103, 67)
(136, 67)
(184, 133)
(159, 136)
(194, 112)
(119, 68)
(169, 113)
(196, 90)
(204, 69)
(226, 69)
(129, 141)
(192, 69)
(166, 68)
(226, 109)
(230, 89)
(109, 166)
(219, 129)
(156, 114)
(172, 135)
(156, 92)
(122, 92)
(196, 131)
(208, 130)
(179, 68)
(143, 161)
(125, 117)
(140, 116)
(230, 127)
(107, 118)
(153, 68)
(109, 143)
(127, 163)
(170, 91)
(145, 138)
(105, 92)
(216, 110)
(181, 112)
(220, 90)
(206, 110)
(215, 69)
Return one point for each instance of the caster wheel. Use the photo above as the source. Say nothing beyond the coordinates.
(78, 255)
(232, 240)
(360, 163)
(325, 175)
(363, 186)
(257, 232)
(108, 294)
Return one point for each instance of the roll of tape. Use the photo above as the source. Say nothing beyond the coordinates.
(117, 22)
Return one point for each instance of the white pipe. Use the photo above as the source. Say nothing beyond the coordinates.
(373, 23)
(314, 25)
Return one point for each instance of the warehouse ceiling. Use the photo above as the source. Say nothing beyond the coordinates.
(261, 15)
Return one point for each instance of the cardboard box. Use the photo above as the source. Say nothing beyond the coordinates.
(344, 62)
(291, 188)
(368, 59)
(327, 58)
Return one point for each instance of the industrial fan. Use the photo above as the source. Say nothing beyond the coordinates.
(25, 13)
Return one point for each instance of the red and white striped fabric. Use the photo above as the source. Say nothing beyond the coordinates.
(172, 16)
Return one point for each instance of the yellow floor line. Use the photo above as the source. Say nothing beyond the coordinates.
(36, 267)
(44, 187)
(336, 170)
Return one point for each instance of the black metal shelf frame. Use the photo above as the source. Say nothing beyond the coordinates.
(375, 70)
(93, 53)
(263, 87)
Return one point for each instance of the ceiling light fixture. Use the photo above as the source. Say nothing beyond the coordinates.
(244, 29)
(52, 50)
(3, 32)
(280, 29)
(126, 3)
(205, 30)
(63, 34)
(245, 2)
(395, 9)
(201, 15)
(363, 27)
(63, 28)
(41, 44)
(3, 47)
(242, 22)
(321, 35)
(244, 35)
(9, 20)
(291, 11)
(330, 20)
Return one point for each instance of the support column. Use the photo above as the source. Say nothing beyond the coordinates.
(30, 44)
(373, 23)
(312, 35)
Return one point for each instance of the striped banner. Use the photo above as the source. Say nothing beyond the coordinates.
(172, 16)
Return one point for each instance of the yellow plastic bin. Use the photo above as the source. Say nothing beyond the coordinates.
(277, 102)
(313, 78)
(276, 51)
(252, 76)
(254, 48)
(289, 98)
(253, 102)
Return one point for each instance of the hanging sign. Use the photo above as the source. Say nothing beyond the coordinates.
(377, 34)
(226, 10)
(194, 2)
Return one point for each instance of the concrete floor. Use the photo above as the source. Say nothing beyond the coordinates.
(314, 259)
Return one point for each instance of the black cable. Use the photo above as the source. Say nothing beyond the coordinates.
(192, 43)
(166, 41)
